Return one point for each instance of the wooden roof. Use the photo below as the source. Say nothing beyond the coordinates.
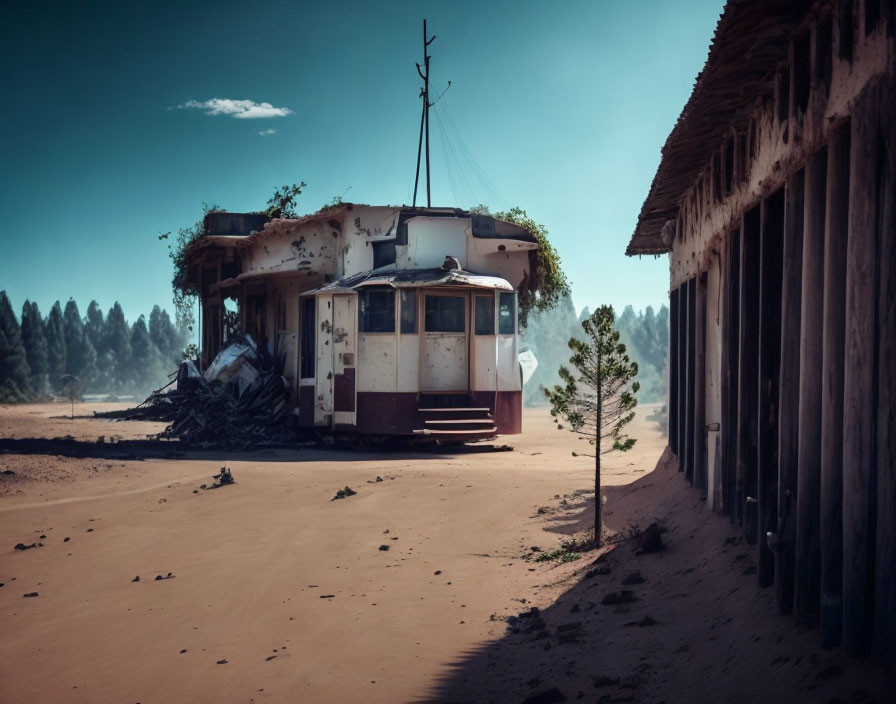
(751, 37)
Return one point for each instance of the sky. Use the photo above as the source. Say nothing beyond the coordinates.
(122, 118)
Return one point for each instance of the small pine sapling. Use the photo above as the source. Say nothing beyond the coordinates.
(597, 397)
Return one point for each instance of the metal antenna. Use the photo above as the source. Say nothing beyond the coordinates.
(424, 117)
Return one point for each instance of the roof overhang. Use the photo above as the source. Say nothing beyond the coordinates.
(751, 37)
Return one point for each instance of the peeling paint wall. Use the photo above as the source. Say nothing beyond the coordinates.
(309, 250)
(361, 227)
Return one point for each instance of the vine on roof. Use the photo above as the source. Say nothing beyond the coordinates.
(546, 283)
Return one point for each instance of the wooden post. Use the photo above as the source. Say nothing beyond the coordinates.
(748, 375)
(884, 639)
(698, 457)
(860, 378)
(692, 379)
(683, 377)
(789, 391)
(808, 569)
(771, 251)
(730, 357)
(673, 371)
(831, 512)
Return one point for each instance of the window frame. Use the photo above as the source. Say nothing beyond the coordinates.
(513, 318)
(458, 296)
(363, 300)
(493, 326)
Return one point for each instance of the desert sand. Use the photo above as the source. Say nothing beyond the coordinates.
(410, 590)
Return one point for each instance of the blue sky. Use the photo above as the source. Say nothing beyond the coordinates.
(563, 106)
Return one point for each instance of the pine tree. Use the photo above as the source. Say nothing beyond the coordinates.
(117, 339)
(144, 356)
(35, 346)
(55, 334)
(598, 398)
(15, 375)
(80, 357)
(94, 327)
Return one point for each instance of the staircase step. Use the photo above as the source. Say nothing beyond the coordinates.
(456, 433)
(454, 410)
(460, 421)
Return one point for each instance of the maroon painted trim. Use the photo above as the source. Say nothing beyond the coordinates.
(344, 391)
(506, 406)
(388, 413)
(306, 407)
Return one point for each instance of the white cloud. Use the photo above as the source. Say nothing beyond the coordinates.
(240, 109)
(269, 130)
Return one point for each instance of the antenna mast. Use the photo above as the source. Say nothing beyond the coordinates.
(424, 117)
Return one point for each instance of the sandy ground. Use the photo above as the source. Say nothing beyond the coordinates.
(278, 594)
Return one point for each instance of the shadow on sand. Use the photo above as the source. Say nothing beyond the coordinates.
(174, 449)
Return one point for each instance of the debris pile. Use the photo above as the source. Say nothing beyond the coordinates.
(344, 493)
(240, 401)
(222, 478)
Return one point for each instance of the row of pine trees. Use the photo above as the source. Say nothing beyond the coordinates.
(63, 352)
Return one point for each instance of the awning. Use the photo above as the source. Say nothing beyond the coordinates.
(413, 278)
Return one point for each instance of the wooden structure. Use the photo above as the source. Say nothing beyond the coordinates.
(776, 201)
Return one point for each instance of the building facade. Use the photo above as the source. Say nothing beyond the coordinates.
(385, 320)
(776, 202)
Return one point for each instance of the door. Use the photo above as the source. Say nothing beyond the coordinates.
(445, 356)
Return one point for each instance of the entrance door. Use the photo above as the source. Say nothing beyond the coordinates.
(446, 364)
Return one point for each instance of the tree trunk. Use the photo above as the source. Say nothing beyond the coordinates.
(599, 412)
(597, 497)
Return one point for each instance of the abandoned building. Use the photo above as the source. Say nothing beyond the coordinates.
(386, 320)
(776, 201)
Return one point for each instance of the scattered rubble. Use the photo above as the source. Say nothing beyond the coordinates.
(240, 401)
(344, 493)
(222, 478)
(22, 546)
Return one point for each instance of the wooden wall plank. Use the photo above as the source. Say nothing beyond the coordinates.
(682, 376)
(884, 639)
(748, 375)
(808, 568)
(789, 391)
(732, 356)
(831, 512)
(673, 371)
(771, 255)
(699, 459)
(860, 375)
(692, 380)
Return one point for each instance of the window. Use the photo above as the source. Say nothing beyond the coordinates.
(485, 315)
(409, 311)
(444, 314)
(507, 313)
(307, 340)
(376, 309)
(383, 253)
